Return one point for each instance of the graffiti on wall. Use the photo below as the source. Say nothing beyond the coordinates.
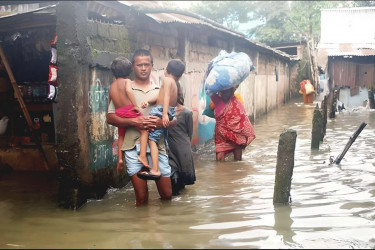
(103, 149)
(101, 155)
(98, 97)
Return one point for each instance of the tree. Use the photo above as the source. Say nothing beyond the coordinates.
(305, 18)
(293, 21)
(284, 21)
(362, 4)
(227, 13)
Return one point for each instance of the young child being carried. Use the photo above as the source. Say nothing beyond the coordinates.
(120, 92)
(165, 108)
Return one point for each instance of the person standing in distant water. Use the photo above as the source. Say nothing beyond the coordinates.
(180, 155)
(233, 129)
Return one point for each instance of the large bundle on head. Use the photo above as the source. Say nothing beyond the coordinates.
(227, 70)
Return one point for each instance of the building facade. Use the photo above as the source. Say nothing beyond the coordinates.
(346, 51)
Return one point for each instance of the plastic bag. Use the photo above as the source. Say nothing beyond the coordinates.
(309, 88)
(227, 70)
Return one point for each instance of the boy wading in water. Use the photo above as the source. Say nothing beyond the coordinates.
(120, 92)
(166, 105)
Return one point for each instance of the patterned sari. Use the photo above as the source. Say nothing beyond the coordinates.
(233, 128)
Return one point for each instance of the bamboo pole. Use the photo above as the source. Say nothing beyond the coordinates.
(350, 142)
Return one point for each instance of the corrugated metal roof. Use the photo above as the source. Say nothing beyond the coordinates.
(348, 46)
(173, 17)
(151, 9)
(348, 31)
(347, 49)
(166, 15)
(353, 52)
(46, 9)
(178, 18)
(143, 4)
(41, 17)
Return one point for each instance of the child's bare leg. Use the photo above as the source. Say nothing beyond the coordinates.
(120, 162)
(154, 157)
(142, 153)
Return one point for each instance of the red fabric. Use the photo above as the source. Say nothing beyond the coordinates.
(233, 128)
(126, 112)
(306, 98)
(302, 84)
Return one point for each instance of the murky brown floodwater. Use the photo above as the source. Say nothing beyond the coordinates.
(230, 206)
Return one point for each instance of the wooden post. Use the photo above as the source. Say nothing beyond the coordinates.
(325, 113)
(371, 99)
(317, 133)
(284, 167)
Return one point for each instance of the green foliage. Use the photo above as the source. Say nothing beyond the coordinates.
(363, 3)
(303, 72)
(228, 13)
(285, 21)
(296, 20)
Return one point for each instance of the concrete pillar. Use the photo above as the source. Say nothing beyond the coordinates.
(72, 116)
(371, 99)
(317, 133)
(284, 167)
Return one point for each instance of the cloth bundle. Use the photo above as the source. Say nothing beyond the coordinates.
(227, 70)
(307, 87)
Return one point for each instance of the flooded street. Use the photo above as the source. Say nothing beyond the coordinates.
(231, 204)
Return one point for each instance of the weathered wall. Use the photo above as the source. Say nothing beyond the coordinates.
(352, 72)
(84, 139)
(72, 116)
(106, 42)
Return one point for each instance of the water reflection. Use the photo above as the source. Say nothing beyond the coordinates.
(283, 223)
(231, 204)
